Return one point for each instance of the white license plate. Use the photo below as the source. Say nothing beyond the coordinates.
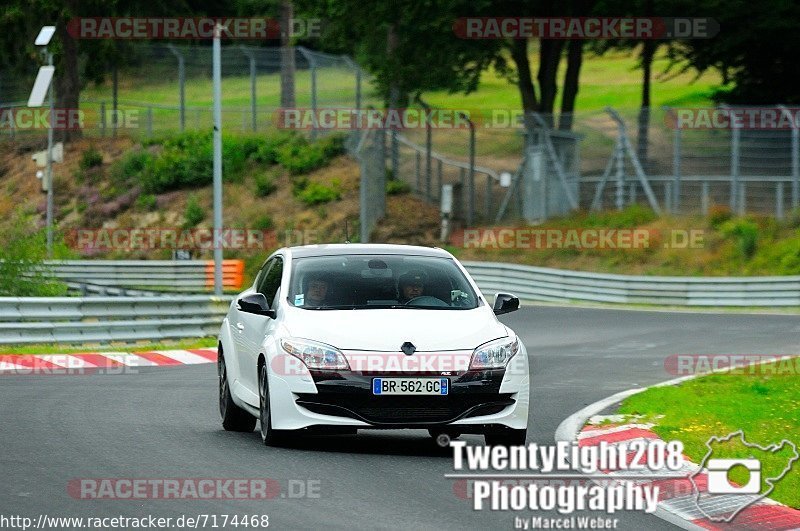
(410, 386)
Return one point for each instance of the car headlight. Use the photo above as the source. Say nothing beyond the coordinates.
(494, 354)
(315, 355)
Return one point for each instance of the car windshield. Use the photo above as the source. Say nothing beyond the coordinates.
(352, 282)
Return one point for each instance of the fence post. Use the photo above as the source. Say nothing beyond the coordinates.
(795, 157)
(102, 118)
(418, 171)
(488, 199)
(181, 84)
(704, 198)
(676, 170)
(668, 196)
(253, 106)
(312, 63)
(620, 160)
(149, 120)
(779, 200)
(471, 209)
(735, 139)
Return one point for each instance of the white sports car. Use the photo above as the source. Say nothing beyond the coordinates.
(345, 337)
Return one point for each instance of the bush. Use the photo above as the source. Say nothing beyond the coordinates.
(318, 193)
(718, 214)
(265, 184)
(299, 156)
(397, 187)
(745, 232)
(130, 167)
(91, 158)
(630, 217)
(194, 213)
(264, 223)
(267, 152)
(22, 269)
(146, 202)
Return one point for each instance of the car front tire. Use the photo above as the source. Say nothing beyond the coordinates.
(234, 418)
(269, 436)
(503, 436)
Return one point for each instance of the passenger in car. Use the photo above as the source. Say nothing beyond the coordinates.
(316, 292)
(411, 285)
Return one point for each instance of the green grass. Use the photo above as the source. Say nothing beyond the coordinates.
(113, 347)
(764, 403)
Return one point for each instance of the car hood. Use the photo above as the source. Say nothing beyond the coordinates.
(385, 330)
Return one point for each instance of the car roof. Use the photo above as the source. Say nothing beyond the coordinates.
(335, 249)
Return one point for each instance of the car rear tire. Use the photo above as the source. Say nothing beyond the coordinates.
(503, 436)
(234, 418)
(269, 436)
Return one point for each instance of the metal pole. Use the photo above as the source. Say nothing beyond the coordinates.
(471, 178)
(149, 121)
(181, 84)
(253, 91)
(314, 99)
(428, 154)
(620, 199)
(217, 69)
(114, 100)
(676, 171)
(49, 214)
(102, 118)
(779, 200)
(734, 170)
(488, 199)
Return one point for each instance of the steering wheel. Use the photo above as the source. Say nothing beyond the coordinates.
(426, 300)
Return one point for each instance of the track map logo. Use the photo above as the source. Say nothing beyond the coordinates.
(762, 466)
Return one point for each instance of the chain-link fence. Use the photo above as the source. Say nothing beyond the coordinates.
(167, 88)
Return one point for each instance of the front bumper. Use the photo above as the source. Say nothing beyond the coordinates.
(472, 394)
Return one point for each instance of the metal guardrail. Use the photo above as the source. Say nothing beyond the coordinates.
(172, 275)
(555, 285)
(105, 319)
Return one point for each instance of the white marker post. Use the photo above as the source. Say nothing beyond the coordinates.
(41, 86)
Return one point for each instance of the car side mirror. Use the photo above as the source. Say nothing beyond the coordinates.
(256, 304)
(505, 303)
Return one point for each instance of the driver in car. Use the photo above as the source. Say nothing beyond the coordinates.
(411, 285)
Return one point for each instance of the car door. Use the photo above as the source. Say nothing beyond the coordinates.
(253, 328)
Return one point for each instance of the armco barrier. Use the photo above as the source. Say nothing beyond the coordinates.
(556, 285)
(105, 319)
(174, 275)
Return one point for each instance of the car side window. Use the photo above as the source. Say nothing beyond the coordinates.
(271, 281)
(262, 274)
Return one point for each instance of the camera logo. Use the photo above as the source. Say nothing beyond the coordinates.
(718, 470)
(720, 498)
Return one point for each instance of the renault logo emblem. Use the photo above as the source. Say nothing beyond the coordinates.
(408, 348)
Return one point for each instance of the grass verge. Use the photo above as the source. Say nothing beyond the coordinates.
(763, 401)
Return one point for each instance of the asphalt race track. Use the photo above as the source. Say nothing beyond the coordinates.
(163, 423)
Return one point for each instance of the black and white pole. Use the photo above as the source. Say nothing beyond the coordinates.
(41, 87)
(217, 74)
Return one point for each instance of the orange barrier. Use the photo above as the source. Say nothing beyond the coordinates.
(232, 273)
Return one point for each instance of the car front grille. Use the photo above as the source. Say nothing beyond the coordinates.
(405, 409)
